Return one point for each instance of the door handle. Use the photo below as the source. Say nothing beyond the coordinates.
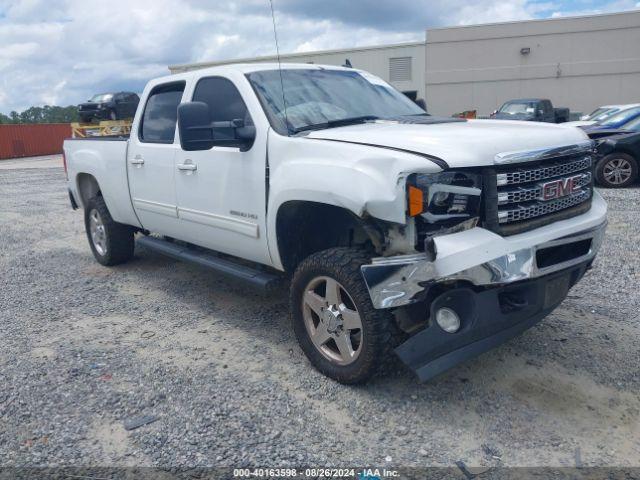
(191, 167)
(137, 160)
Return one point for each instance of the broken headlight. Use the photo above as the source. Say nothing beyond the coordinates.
(444, 200)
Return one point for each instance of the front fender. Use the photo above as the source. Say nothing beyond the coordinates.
(368, 181)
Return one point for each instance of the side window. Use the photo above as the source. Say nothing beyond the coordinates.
(224, 101)
(158, 124)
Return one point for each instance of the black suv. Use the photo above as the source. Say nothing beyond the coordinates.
(109, 106)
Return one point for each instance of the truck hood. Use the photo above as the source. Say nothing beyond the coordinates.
(459, 144)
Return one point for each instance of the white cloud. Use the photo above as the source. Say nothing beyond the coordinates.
(63, 51)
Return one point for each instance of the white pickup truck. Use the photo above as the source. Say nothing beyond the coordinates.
(439, 238)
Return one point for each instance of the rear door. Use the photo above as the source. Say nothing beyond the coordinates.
(150, 160)
(221, 191)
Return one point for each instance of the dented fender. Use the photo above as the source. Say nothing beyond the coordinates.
(366, 180)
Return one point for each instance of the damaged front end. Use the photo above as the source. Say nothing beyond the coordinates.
(494, 255)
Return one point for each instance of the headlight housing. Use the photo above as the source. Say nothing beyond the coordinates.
(444, 200)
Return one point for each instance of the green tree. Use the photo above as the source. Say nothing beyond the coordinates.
(44, 114)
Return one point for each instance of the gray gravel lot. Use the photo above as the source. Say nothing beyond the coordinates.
(86, 349)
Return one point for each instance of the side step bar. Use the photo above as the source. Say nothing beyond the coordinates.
(260, 279)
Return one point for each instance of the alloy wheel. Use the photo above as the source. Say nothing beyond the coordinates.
(617, 171)
(98, 232)
(332, 320)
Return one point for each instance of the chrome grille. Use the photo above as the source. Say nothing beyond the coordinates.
(538, 209)
(526, 193)
(556, 169)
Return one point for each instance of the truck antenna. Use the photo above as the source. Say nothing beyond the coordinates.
(275, 34)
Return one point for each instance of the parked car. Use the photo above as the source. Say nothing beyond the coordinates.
(617, 121)
(439, 238)
(618, 159)
(531, 110)
(601, 114)
(109, 106)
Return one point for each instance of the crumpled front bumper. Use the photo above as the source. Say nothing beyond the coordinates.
(484, 258)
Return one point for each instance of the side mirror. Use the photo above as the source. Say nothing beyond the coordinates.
(194, 126)
(198, 132)
(421, 103)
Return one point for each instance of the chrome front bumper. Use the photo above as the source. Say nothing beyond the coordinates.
(402, 280)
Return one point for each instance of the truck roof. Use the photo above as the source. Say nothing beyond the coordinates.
(251, 67)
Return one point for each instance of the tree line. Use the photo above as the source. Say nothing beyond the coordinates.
(46, 114)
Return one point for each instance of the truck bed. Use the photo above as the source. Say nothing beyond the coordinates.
(102, 160)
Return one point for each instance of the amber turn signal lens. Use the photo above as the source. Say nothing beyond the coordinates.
(416, 201)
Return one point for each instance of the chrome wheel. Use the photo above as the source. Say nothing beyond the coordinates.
(332, 320)
(617, 171)
(98, 232)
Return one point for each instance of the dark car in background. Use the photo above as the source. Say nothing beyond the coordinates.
(109, 106)
(618, 154)
(531, 110)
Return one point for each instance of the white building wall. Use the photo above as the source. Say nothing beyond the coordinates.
(579, 62)
(372, 59)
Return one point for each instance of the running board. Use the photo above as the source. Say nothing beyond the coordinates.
(260, 279)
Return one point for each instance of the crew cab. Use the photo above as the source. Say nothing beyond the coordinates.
(437, 238)
(531, 110)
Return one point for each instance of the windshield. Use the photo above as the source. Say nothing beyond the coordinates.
(621, 118)
(101, 97)
(633, 125)
(515, 108)
(602, 113)
(318, 98)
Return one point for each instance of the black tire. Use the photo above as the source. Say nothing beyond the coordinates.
(605, 165)
(116, 243)
(85, 119)
(342, 265)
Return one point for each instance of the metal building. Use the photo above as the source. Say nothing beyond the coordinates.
(577, 62)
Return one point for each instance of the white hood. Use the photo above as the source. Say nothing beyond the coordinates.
(460, 144)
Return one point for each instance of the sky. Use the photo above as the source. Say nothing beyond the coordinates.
(61, 52)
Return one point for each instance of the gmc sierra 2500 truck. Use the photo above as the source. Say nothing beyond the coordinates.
(439, 238)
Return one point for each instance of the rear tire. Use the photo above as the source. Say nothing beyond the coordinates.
(111, 242)
(341, 334)
(616, 170)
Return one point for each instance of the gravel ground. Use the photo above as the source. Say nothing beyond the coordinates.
(86, 349)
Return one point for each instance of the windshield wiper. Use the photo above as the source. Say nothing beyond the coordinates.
(336, 123)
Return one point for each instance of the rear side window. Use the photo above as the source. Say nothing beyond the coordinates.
(161, 113)
(224, 101)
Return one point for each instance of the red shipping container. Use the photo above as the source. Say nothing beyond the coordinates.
(31, 140)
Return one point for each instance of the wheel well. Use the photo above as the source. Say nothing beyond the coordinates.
(87, 187)
(304, 228)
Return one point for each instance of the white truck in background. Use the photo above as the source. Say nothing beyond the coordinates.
(439, 238)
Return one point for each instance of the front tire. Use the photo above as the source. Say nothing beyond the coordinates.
(616, 170)
(338, 329)
(111, 242)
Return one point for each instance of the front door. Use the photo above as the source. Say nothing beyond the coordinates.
(221, 191)
(151, 160)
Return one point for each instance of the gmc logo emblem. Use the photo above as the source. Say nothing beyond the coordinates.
(560, 188)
